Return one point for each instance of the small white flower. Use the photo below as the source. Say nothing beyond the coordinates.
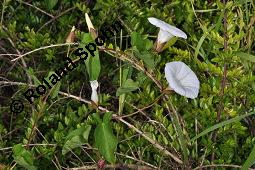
(166, 32)
(182, 79)
(94, 95)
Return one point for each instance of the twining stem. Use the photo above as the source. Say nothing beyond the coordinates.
(134, 62)
(115, 166)
(171, 109)
(116, 117)
(137, 64)
(176, 122)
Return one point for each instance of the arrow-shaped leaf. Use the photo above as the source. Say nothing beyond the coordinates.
(92, 63)
(105, 140)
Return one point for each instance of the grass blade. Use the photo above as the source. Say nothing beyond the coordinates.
(246, 56)
(221, 124)
(250, 160)
(200, 44)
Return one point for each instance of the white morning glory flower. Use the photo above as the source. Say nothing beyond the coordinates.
(182, 79)
(94, 95)
(166, 32)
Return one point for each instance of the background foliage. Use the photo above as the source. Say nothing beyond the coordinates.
(64, 131)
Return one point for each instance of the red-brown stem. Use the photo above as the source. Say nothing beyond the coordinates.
(223, 82)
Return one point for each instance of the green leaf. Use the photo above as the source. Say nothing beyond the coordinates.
(200, 42)
(51, 4)
(105, 140)
(103, 4)
(23, 157)
(127, 72)
(171, 42)
(31, 72)
(221, 124)
(55, 88)
(86, 39)
(250, 160)
(246, 56)
(128, 86)
(140, 43)
(147, 57)
(76, 138)
(93, 65)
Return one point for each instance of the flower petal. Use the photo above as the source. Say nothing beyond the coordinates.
(94, 95)
(182, 79)
(167, 27)
(164, 36)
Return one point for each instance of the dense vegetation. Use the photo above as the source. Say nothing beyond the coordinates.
(138, 123)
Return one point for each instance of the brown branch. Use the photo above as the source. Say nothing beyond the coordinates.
(219, 165)
(36, 8)
(38, 49)
(136, 64)
(19, 53)
(137, 160)
(122, 56)
(32, 144)
(22, 60)
(119, 166)
(56, 17)
(116, 117)
(140, 110)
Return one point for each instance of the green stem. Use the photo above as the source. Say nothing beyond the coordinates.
(123, 96)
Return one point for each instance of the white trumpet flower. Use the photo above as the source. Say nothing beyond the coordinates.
(166, 32)
(94, 95)
(182, 79)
